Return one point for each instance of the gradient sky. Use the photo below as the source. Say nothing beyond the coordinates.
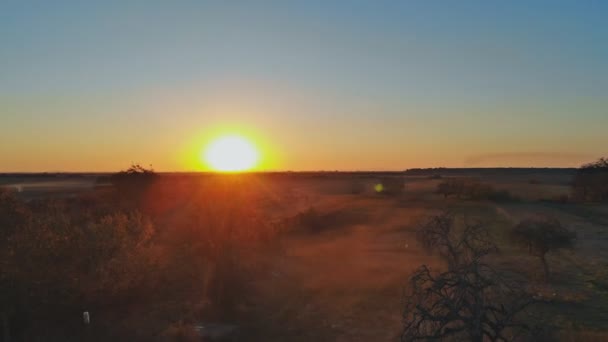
(346, 85)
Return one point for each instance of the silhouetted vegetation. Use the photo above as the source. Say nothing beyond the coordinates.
(133, 182)
(56, 258)
(488, 171)
(189, 258)
(543, 235)
(472, 189)
(469, 301)
(591, 182)
(195, 256)
(451, 187)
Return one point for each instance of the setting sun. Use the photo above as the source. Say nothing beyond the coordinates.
(231, 153)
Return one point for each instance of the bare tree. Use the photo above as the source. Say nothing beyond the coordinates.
(441, 235)
(470, 301)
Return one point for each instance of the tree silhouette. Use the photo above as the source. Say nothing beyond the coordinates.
(591, 181)
(470, 300)
(542, 235)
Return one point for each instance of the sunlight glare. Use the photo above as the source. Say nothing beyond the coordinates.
(231, 153)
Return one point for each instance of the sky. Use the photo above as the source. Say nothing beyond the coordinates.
(316, 85)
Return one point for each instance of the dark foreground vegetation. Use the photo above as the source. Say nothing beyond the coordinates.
(187, 258)
(142, 257)
(470, 300)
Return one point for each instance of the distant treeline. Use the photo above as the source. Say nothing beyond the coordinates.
(408, 172)
(489, 171)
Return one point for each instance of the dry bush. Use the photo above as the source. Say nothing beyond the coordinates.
(541, 235)
(132, 184)
(470, 300)
(473, 190)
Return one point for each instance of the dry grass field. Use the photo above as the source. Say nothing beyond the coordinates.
(339, 276)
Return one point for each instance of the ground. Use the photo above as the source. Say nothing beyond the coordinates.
(344, 282)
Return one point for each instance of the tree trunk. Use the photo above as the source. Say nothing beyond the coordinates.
(6, 332)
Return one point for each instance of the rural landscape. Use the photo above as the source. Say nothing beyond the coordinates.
(284, 170)
(327, 256)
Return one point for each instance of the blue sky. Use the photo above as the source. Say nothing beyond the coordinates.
(319, 84)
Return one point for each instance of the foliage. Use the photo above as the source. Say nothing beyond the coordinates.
(470, 300)
(542, 235)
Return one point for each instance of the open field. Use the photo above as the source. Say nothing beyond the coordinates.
(341, 278)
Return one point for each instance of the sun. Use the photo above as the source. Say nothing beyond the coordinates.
(231, 153)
